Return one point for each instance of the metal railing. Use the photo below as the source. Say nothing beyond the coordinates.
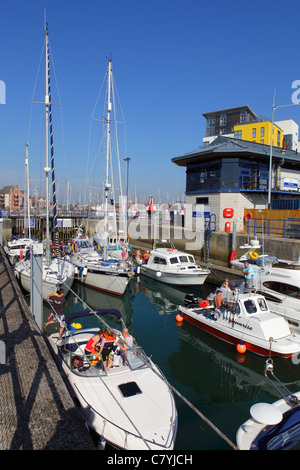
(283, 228)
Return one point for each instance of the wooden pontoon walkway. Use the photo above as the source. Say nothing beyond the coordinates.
(36, 410)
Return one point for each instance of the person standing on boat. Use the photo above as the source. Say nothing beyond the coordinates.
(219, 304)
(249, 273)
(58, 303)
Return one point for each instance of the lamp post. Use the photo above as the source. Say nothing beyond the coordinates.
(127, 160)
(271, 148)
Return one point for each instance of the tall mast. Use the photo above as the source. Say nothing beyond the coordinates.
(47, 169)
(109, 107)
(27, 203)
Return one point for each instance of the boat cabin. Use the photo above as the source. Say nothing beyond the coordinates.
(172, 257)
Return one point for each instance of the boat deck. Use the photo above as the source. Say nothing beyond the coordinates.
(36, 410)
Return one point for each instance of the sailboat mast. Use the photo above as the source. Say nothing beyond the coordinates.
(27, 210)
(109, 107)
(47, 169)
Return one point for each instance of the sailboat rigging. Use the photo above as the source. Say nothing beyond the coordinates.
(56, 272)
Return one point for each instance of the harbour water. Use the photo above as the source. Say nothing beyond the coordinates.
(218, 381)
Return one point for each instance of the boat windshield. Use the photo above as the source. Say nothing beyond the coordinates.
(262, 304)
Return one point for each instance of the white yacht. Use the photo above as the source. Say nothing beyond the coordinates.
(174, 267)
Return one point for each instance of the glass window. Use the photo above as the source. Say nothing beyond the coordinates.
(253, 132)
(262, 304)
(250, 306)
(230, 174)
(203, 176)
(238, 134)
(223, 120)
(262, 131)
(278, 139)
(183, 259)
(174, 260)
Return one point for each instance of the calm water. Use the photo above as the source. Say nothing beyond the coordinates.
(217, 380)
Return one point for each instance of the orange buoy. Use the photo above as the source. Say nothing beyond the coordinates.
(179, 317)
(204, 303)
(241, 348)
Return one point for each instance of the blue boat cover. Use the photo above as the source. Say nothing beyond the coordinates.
(98, 311)
(282, 436)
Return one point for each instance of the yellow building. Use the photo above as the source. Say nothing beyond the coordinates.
(259, 132)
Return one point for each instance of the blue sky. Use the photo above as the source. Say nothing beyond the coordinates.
(172, 61)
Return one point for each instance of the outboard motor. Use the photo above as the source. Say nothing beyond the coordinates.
(191, 301)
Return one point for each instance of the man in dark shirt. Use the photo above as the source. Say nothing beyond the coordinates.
(58, 303)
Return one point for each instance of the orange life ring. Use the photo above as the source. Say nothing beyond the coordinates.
(171, 249)
(248, 216)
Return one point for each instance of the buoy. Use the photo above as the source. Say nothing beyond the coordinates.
(204, 303)
(241, 348)
(158, 273)
(179, 317)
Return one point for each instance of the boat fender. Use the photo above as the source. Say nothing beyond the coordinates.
(179, 317)
(241, 348)
(253, 255)
(248, 216)
(158, 273)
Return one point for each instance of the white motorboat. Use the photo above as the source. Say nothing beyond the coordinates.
(130, 406)
(277, 280)
(174, 267)
(56, 272)
(273, 426)
(16, 248)
(246, 320)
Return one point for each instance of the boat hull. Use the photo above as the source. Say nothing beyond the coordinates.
(105, 281)
(50, 285)
(175, 279)
(232, 336)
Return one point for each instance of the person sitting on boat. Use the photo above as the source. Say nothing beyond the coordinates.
(226, 290)
(146, 257)
(94, 340)
(249, 273)
(138, 256)
(95, 357)
(110, 344)
(219, 304)
(58, 303)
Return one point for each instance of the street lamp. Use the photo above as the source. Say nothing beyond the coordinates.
(271, 148)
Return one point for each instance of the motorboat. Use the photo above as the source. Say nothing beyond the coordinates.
(17, 248)
(245, 320)
(56, 271)
(273, 426)
(277, 280)
(130, 407)
(173, 267)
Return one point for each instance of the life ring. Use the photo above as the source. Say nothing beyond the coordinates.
(77, 363)
(171, 249)
(253, 255)
(248, 216)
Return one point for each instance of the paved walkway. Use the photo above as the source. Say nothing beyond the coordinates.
(36, 410)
